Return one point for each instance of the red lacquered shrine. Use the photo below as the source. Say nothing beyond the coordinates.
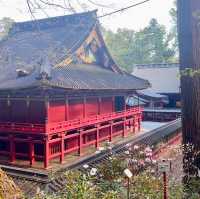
(60, 90)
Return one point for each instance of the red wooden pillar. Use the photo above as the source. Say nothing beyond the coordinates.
(62, 148)
(139, 122)
(124, 128)
(134, 124)
(31, 151)
(97, 136)
(111, 131)
(12, 149)
(80, 141)
(46, 152)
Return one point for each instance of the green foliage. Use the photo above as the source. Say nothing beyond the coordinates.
(111, 195)
(79, 187)
(109, 182)
(113, 169)
(191, 188)
(149, 45)
(174, 32)
(146, 186)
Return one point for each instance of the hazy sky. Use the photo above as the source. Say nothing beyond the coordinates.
(134, 18)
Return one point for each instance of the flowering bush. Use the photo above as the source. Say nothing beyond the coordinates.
(107, 180)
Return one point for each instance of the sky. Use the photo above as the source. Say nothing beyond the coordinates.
(135, 18)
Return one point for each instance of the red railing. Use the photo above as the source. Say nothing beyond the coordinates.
(65, 125)
(75, 124)
(21, 127)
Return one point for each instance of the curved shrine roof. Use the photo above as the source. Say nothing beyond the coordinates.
(35, 48)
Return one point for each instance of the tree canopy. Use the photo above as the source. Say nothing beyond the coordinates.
(152, 44)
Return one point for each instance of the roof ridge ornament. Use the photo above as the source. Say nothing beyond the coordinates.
(45, 69)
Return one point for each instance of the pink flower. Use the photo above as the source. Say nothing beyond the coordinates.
(149, 154)
(141, 162)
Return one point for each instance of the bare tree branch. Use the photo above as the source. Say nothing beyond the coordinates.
(30, 9)
(98, 4)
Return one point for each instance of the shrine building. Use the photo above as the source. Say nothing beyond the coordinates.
(61, 91)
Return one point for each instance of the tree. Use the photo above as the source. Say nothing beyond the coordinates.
(155, 43)
(120, 45)
(189, 43)
(174, 32)
(149, 45)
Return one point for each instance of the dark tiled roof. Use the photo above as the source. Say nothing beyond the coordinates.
(29, 42)
(79, 76)
(36, 47)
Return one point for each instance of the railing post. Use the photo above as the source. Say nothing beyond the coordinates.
(31, 151)
(133, 124)
(12, 149)
(124, 128)
(80, 142)
(62, 148)
(111, 131)
(139, 121)
(46, 152)
(97, 136)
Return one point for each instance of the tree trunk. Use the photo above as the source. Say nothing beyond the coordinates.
(189, 45)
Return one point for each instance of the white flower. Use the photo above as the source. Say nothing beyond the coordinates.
(37, 190)
(128, 145)
(141, 152)
(134, 160)
(127, 152)
(101, 148)
(152, 171)
(110, 147)
(85, 166)
(148, 150)
(147, 160)
(97, 152)
(154, 161)
(135, 147)
(93, 171)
